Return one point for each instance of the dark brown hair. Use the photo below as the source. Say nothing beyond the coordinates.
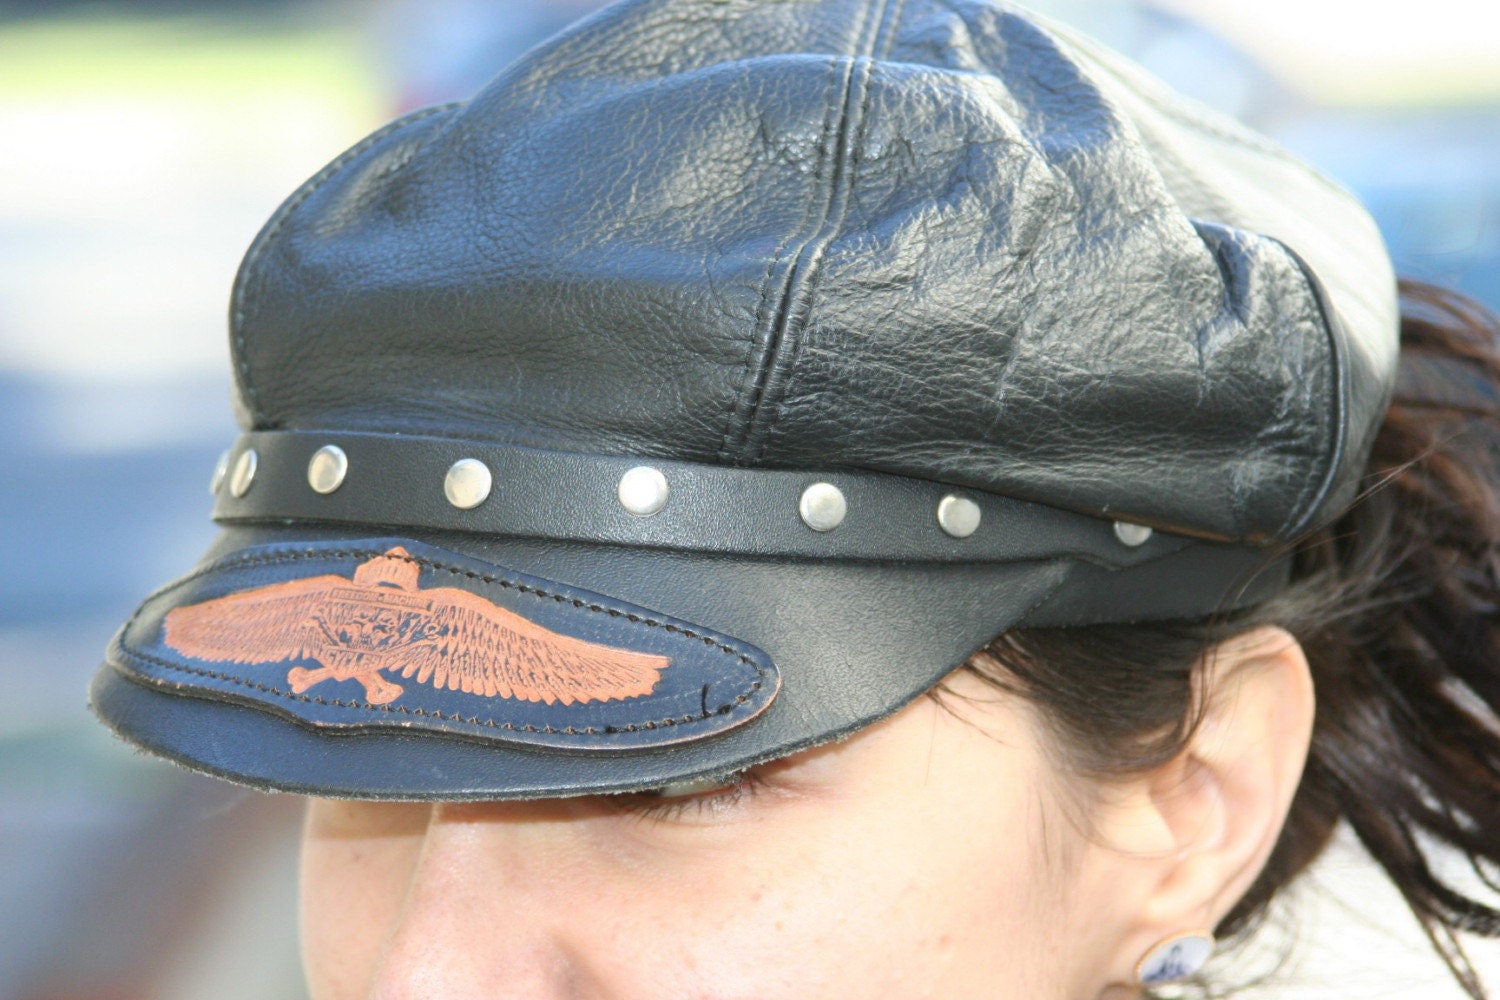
(1397, 605)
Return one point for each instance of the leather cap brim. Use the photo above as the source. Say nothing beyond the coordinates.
(848, 642)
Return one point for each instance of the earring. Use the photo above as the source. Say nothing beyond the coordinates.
(1174, 958)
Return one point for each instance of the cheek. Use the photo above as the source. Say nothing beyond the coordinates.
(930, 869)
(936, 892)
(357, 860)
(899, 917)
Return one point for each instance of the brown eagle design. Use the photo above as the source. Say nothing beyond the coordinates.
(381, 620)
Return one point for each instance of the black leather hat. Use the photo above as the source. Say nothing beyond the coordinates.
(726, 373)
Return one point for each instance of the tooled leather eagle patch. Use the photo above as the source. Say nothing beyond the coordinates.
(381, 620)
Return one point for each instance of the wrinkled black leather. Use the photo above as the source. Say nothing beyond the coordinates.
(940, 241)
(935, 239)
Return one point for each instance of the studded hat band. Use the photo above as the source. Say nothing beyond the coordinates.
(446, 484)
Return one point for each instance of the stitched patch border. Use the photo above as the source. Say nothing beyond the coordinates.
(713, 682)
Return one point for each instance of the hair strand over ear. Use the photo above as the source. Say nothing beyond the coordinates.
(1397, 605)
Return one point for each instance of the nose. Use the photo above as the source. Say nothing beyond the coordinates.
(486, 914)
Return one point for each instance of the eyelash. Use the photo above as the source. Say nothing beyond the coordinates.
(740, 787)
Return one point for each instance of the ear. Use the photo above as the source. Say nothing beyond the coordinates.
(1204, 824)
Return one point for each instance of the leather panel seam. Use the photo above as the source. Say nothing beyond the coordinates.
(885, 33)
(850, 139)
(805, 277)
(752, 379)
(762, 368)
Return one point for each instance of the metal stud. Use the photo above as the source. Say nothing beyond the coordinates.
(467, 483)
(221, 470)
(822, 506)
(958, 516)
(643, 490)
(244, 473)
(327, 468)
(1132, 534)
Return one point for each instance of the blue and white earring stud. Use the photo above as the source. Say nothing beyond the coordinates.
(1175, 958)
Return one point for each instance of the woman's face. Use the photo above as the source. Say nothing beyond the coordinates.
(928, 856)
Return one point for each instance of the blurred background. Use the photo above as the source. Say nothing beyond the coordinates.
(142, 144)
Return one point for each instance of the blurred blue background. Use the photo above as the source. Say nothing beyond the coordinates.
(142, 145)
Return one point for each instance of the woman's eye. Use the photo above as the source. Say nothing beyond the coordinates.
(695, 799)
(697, 786)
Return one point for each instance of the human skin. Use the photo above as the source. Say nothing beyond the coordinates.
(943, 852)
